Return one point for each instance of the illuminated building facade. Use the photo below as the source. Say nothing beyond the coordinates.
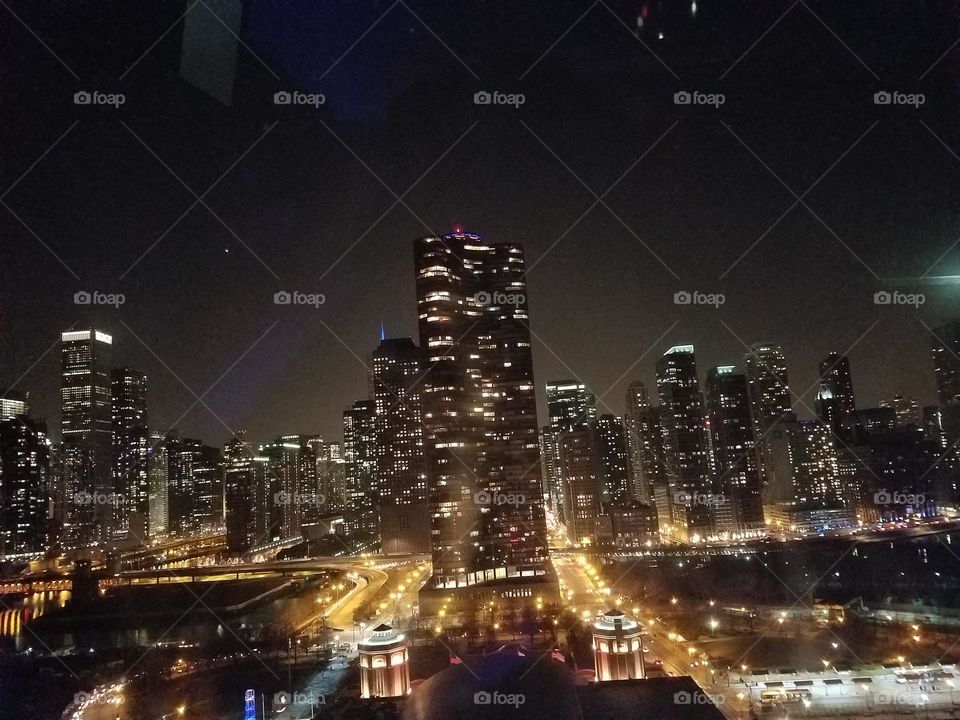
(835, 399)
(479, 410)
(613, 461)
(644, 441)
(618, 647)
(736, 477)
(86, 428)
(24, 474)
(581, 492)
(158, 483)
(130, 438)
(684, 446)
(12, 404)
(400, 471)
(384, 664)
(360, 467)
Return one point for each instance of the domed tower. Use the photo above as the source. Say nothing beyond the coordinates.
(384, 666)
(618, 647)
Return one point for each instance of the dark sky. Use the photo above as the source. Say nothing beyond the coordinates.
(300, 210)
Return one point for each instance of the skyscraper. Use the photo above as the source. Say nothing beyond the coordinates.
(86, 427)
(13, 403)
(581, 493)
(907, 410)
(244, 482)
(158, 483)
(289, 499)
(684, 446)
(835, 399)
(944, 349)
(644, 441)
(401, 473)
(613, 461)
(736, 477)
(24, 468)
(767, 384)
(129, 419)
(570, 405)
(360, 465)
(479, 409)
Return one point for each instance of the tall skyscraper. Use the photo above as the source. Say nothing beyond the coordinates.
(684, 446)
(194, 486)
(835, 399)
(579, 470)
(944, 349)
(570, 405)
(479, 409)
(158, 483)
(613, 461)
(244, 481)
(735, 474)
(285, 464)
(360, 466)
(401, 472)
(768, 385)
(644, 441)
(24, 468)
(86, 427)
(129, 419)
(907, 410)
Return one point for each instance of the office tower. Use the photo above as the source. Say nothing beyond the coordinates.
(194, 486)
(13, 403)
(835, 400)
(400, 471)
(550, 461)
(129, 420)
(158, 484)
(245, 501)
(360, 466)
(479, 409)
(207, 512)
(570, 405)
(735, 474)
(284, 477)
(24, 472)
(645, 442)
(332, 478)
(581, 492)
(803, 468)
(613, 462)
(907, 410)
(767, 384)
(86, 429)
(684, 446)
(944, 349)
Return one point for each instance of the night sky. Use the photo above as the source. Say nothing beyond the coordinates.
(309, 201)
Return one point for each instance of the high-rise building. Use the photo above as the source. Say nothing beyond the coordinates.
(129, 419)
(570, 405)
(767, 384)
(158, 484)
(835, 399)
(13, 403)
(360, 467)
(907, 410)
(944, 349)
(736, 478)
(86, 427)
(581, 492)
(291, 500)
(208, 511)
(24, 469)
(401, 472)
(479, 410)
(803, 467)
(690, 514)
(245, 485)
(550, 461)
(644, 441)
(613, 461)
(194, 486)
